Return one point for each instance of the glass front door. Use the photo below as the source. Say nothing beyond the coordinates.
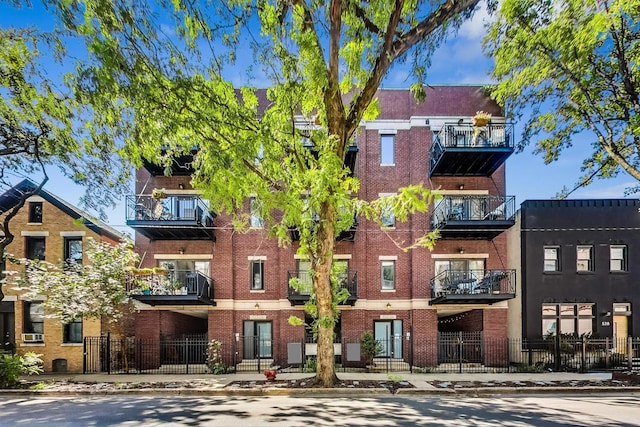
(257, 340)
(389, 333)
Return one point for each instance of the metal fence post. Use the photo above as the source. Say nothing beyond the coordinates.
(607, 353)
(460, 352)
(583, 359)
(84, 355)
(108, 353)
(630, 353)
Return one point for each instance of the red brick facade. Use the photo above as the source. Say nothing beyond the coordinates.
(408, 306)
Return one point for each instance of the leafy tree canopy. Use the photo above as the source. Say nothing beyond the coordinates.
(158, 76)
(576, 66)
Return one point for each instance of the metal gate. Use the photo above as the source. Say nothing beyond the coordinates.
(460, 347)
(136, 355)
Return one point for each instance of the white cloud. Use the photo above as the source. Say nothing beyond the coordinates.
(604, 191)
(475, 28)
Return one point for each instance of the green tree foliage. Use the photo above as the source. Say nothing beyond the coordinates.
(13, 366)
(40, 128)
(576, 66)
(156, 78)
(76, 291)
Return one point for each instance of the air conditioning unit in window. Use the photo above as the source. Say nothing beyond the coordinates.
(32, 337)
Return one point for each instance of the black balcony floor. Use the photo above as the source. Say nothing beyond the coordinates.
(172, 230)
(470, 298)
(470, 161)
(474, 229)
(174, 299)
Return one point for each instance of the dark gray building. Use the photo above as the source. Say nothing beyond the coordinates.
(580, 267)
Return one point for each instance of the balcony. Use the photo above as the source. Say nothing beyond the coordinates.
(473, 287)
(177, 287)
(348, 235)
(180, 166)
(466, 150)
(347, 280)
(171, 218)
(473, 217)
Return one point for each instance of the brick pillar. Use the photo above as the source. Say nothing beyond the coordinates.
(495, 337)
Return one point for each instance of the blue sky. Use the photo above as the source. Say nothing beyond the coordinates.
(459, 61)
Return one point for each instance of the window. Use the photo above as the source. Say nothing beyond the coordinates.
(34, 248)
(387, 217)
(575, 319)
(551, 258)
(387, 143)
(72, 332)
(388, 274)
(304, 277)
(257, 275)
(73, 250)
(618, 258)
(256, 218)
(35, 212)
(584, 257)
(33, 317)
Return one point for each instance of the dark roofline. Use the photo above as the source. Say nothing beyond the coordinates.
(578, 203)
(11, 197)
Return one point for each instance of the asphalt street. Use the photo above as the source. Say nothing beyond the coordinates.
(158, 410)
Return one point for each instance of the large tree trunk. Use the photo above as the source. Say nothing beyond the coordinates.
(325, 375)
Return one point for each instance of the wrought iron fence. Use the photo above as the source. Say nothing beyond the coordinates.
(450, 352)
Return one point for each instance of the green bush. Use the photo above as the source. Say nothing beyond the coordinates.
(310, 365)
(12, 366)
(370, 347)
(214, 358)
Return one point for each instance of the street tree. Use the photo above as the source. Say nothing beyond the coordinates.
(163, 76)
(40, 131)
(573, 67)
(74, 291)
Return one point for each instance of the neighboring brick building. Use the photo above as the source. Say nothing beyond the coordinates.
(50, 229)
(410, 300)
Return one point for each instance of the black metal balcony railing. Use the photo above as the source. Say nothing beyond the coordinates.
(174, 287)
(345, 235)
(473, 286)
(473, 216)
(463, 149)
(173, 217)
(347, 280)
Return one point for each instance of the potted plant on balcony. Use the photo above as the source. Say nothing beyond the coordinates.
(159, 193)
(481, 119)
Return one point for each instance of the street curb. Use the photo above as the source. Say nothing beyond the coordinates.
(324, 392)
(521, 390)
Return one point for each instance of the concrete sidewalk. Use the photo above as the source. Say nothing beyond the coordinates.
(393, 376)
(427, 384)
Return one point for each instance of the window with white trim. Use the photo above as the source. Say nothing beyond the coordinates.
(388, 274)
(387, 148)
(256, 217)
(584, 258)
(618, 258)
(551, 258)
(257, 275)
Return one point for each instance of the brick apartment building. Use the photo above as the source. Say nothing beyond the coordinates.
(47, 228)
(234, 286)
